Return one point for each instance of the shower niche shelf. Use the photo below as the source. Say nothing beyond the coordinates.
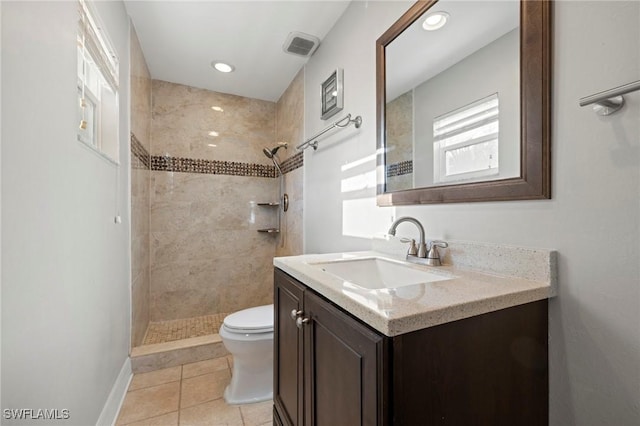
(269, 230)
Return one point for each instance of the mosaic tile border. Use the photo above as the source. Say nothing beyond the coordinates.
(140, 157)
(215, 167)
(294, 162)
(399, 169)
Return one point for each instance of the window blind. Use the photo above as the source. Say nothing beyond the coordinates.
(466, 141)
(93, 40)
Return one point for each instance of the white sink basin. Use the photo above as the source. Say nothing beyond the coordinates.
(377, 272)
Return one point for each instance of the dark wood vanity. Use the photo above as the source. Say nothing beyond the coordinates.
(334, 370)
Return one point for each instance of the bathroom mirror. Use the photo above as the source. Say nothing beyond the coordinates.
(463, 110)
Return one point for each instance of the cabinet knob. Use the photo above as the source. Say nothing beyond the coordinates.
(301, 321)
(295, 314)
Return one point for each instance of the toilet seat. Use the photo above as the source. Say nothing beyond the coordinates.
(250, 321)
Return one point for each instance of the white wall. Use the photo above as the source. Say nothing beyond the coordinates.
(593, 219)
(0, 206)
(65, 264)
(339, 181)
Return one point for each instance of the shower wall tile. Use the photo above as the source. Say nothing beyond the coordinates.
(187, 288)
(294, 185)
(400, 142)
(184, 202)
(174, 186)
(140, 94)
(206, 254)
(400, 128)
(184, 125)
(290, 128)
(291, 242)
(140, 251)
(140, 190)
(193, 268)
(290, 116)
(140, 306)
(206, 244)
(186, 187)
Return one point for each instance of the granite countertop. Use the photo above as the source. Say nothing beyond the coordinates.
(464, 294)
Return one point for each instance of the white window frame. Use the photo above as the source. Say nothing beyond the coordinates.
(97, 55)
(441, 148)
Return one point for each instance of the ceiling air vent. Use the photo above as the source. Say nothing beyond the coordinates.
(300, 44)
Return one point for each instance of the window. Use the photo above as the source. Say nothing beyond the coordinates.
(97, 72)
(466, 142)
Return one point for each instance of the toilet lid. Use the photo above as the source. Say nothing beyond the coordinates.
(252, 320)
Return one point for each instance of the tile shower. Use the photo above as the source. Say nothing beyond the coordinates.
(198, 174)
(400, 142)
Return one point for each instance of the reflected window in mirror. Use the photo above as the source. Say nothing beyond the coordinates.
(466, 143)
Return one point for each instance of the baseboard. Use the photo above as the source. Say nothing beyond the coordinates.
(111, 408)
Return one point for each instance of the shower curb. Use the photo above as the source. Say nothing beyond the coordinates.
(164, 355)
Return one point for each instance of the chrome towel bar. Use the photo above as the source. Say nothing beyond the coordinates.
(342, 123)
(610, 101)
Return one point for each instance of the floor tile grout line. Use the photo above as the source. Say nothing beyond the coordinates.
(180, 394)
(208, 372)
(203, 374)
(147, 418)
(152, 386)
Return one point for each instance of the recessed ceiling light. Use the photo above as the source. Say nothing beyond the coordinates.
(222, 66)
(214, 133)
(435, 21)
(217, 108)
(212, 145)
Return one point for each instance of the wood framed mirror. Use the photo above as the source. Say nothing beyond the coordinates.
(423, 156)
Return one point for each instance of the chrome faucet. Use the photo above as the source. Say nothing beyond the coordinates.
(429, 256)
(422, 246)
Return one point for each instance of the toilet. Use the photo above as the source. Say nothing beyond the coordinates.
(248, 336)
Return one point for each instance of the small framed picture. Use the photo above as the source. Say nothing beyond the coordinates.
(332, 94)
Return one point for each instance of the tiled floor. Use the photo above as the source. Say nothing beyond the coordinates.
(189, 394)
(169, 331)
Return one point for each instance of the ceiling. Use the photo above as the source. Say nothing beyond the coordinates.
(180, 39)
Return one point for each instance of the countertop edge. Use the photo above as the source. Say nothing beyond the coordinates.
(459, 312)
(430, 317)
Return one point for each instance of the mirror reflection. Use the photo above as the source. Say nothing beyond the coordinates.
(453, 96)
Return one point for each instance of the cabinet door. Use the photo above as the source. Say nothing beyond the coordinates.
(288, 356)
(343, 368)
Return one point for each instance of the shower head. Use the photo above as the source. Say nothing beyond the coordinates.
(268, 152)
(271, 152)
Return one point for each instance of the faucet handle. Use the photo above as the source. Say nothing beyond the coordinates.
(433, 256)
(437, 243)
(413, 249)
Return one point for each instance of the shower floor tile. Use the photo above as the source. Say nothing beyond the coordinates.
(169, 331)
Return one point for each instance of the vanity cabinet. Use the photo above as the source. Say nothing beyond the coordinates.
(334, 370)
(327, 364)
